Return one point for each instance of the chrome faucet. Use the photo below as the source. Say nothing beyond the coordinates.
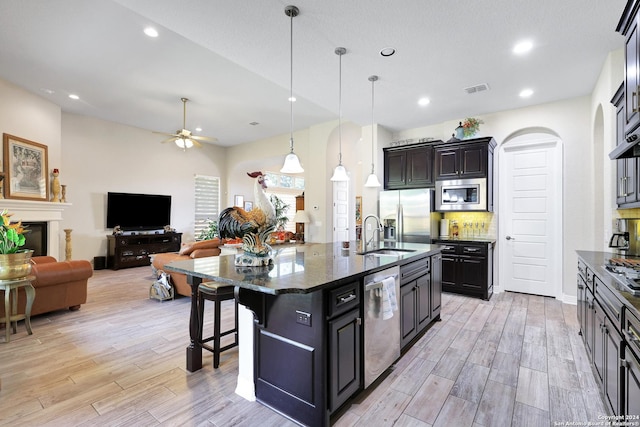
(378, 228)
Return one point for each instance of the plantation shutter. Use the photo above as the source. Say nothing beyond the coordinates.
(207, 195)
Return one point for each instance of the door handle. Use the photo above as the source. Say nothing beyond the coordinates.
(510, 238)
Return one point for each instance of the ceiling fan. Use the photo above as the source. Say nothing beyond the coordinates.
(183, 138)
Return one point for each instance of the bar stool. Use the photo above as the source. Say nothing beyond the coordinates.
(216, 292)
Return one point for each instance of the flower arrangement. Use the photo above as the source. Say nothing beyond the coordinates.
(11, 235)
(471, 126)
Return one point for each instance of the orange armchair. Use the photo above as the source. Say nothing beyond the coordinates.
(201, 249)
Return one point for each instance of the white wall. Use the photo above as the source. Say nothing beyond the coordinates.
(100, 156)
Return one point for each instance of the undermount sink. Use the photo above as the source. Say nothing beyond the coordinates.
(387, 252)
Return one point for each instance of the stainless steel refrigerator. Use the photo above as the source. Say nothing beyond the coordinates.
(407, 216)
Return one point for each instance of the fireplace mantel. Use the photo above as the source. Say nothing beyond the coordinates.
(31, 211)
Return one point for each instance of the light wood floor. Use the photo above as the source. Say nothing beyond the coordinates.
(120, 360)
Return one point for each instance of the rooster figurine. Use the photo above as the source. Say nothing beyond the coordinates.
(253, 227)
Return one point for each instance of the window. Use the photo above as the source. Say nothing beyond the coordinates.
(286, 187)
(207, 195)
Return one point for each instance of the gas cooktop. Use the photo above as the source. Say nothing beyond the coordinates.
(626, 272)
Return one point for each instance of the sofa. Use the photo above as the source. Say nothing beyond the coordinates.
(192, 250)
(59, 285)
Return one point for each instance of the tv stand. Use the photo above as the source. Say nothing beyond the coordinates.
(126, 251)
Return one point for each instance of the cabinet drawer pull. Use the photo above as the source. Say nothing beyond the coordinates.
(471, 249)
(345, 299)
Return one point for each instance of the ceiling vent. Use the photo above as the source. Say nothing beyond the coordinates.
(477, 88)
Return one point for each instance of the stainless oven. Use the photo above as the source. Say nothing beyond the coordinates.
(461, 195)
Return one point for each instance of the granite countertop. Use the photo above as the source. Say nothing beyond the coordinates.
(299, 268)
(596, 262)
(489, 240)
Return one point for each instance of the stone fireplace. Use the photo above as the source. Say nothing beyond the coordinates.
(35, 211)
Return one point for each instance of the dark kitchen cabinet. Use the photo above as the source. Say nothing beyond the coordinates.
(345, 343)
(345, 356)
(631, 383)
(606, 356)
(408, 167)
(628, 27)
(626, 169)
(631, 364)
(415, 299)
(436, 286)
(611, 333)
(586, 307)
(420, 297)
(467, 268)
(466, 159)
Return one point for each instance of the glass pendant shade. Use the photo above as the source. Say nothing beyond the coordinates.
(372, 181)
(340, 174)
(291, 164)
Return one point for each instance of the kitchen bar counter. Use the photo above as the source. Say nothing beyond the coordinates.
(299, 268)
(596, 262)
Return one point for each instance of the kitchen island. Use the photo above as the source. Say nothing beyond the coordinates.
(307, 340)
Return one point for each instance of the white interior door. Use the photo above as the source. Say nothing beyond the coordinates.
(531, 216)
(340, 211)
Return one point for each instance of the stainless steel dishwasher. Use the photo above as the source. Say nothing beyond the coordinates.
(381, 336)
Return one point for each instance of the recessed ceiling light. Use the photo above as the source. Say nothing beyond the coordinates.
(151, 32)
(74, 96)
(423, 101)
(48, 91)
(198, 129)
(523, 47)
(387, 51)
(526, 93)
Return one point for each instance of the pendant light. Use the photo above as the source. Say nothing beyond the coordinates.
(291, 162)
(340, 173)
(372, 180)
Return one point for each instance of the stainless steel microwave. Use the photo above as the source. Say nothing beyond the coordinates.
(461, 195)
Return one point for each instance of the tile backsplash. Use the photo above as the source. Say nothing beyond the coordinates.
(474, 222)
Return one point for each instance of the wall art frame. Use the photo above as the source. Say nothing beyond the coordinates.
(26, 169)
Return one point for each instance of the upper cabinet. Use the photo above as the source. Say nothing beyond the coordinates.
(408, 166)
(471, 158)
(628, 27)
(626, 169)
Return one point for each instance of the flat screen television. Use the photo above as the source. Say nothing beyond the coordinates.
(138, 211)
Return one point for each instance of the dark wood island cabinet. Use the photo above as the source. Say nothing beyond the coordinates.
(310, 320)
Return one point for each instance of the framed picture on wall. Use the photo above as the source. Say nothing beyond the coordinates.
(248, 205)
(26, 169)
(238, 200)
(358, 210)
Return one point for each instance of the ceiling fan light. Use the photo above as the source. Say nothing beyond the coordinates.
(291, 164)
(372, 181)
(340, 174)
(180, 142)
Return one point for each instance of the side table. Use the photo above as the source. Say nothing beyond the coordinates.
(11, 316)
